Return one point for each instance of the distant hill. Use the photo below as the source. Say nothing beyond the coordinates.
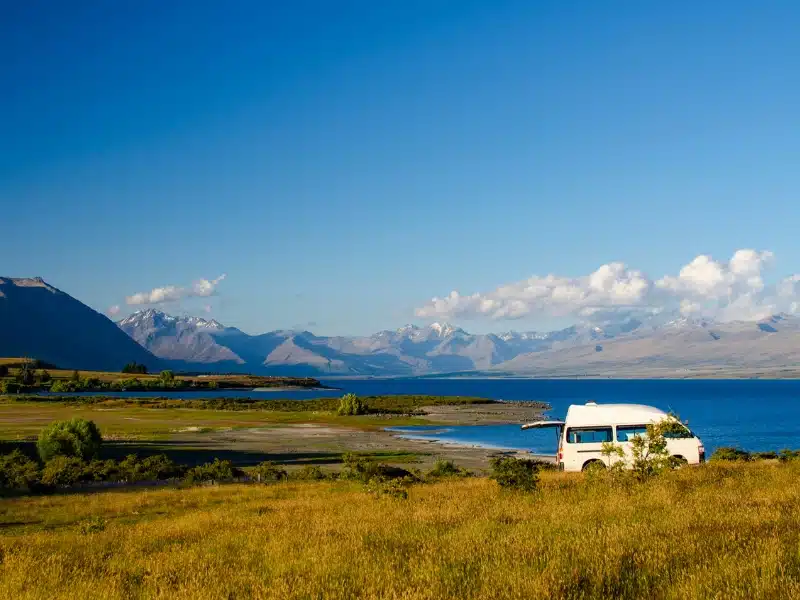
(681, 345)
(42, 322)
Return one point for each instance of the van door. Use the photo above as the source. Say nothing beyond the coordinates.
(584, 445)
(555, 424)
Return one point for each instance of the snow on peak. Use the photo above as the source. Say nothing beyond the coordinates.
(407, 328)
(141, 317)
(444, 329)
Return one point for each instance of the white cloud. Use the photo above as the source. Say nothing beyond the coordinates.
(204, 287)
(732, 290)
(172, 293)
(113, 310)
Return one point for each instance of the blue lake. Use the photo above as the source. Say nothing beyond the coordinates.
(751, 414)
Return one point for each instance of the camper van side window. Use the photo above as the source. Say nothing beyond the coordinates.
(626, 433)
(588, 435)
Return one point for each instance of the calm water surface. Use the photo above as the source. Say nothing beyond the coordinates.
(750, 414)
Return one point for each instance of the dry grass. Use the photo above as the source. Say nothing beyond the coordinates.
(717, 531)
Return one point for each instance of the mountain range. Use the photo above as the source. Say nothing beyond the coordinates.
(625, 348)
(39, 321)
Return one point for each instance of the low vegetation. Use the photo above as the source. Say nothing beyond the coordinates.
(728, 454)
(400, 404)
(723, 530)
(28, 376)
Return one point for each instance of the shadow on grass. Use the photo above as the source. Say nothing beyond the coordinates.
(191, 453)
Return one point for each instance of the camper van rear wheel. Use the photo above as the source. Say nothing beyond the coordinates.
(678, 461)
(593, 465)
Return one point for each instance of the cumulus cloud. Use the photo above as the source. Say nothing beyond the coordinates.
(171, 293)
(725, 290)
(204, 287)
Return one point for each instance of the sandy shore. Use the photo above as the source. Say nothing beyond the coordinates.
(301, 440)
(485, 414)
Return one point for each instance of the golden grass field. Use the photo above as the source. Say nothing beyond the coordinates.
(716, 531)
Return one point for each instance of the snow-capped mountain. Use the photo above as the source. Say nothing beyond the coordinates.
(178, 338)
(443, 347)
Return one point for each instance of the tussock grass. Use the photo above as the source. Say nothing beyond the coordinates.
(719, 531)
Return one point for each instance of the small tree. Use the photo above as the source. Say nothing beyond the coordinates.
(43, 377)
(76, 438)
(350, 405)
(649, 453)
(25, 375)
(76, 377)
(3, 370)
(167, 377)
(135, 368)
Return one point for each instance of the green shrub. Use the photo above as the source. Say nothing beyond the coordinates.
(730, 454)
(17, 471)
(134, 367)
(351, 405)
(787, 455)
(9, 387)
(515, 473)
(151, 468)
(268, 471)
(77, 437)
(65, 471)
(43, 377)
(309, 473)
(396, 489)
(770, 455)
(447, 468)
(3, 370)
(101, 470)
(219, 470)
(360, 468)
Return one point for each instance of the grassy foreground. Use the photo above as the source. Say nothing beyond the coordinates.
(718, 531)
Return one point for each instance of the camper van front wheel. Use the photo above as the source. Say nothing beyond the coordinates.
(593, 465)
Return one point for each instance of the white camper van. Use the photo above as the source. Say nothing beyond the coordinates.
(587, 426)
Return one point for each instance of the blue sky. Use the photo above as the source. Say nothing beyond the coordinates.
(343, 163)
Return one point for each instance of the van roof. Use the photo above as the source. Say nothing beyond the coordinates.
(579, 415)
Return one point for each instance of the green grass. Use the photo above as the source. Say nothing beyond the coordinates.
(23, 417)
(20, 421)
(718, 531)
